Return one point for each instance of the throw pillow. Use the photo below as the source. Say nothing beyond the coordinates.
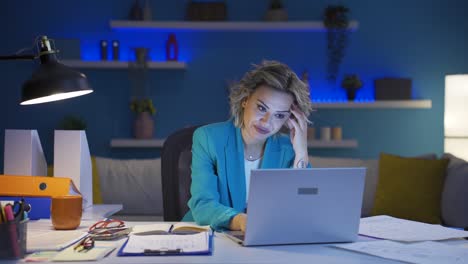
(454, 194)
(410, 188)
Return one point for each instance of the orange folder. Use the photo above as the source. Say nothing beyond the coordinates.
(36, 186)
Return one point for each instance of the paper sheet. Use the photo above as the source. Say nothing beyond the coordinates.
(187, 243)
(422, 253)
(99, 251)
(43, 237)
(391, 228)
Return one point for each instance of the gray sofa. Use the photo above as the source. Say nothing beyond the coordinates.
(137, 185)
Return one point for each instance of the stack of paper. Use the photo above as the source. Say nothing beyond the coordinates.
(422, 253)
(392, 228)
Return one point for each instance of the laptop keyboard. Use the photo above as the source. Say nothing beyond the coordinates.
(237, 234)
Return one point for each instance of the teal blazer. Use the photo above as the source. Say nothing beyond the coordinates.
(218, 178)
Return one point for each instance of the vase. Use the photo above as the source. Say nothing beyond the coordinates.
(276, 15)
(143, 126)
(351, 93)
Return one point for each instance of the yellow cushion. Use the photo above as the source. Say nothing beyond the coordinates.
(97, 197)
(410, 188)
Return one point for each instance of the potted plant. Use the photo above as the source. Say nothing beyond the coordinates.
(276, 12)
(336, 21)
(71, 122)
(144, 124)
(351, 83)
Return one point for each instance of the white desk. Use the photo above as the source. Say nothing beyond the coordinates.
(227, 251)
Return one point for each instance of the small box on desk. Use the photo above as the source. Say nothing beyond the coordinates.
(13, 239)
(392, 89)
(40, 206)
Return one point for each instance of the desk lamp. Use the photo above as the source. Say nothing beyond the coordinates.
(52, 81)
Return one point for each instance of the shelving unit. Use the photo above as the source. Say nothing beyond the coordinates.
(158, 143)
(168, 65)
(222, 26)
(421, 104)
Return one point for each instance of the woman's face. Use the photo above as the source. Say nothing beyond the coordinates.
(265, 112)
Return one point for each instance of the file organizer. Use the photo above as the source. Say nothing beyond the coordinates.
(36, 190)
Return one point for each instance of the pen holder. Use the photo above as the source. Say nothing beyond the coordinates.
(13, 239)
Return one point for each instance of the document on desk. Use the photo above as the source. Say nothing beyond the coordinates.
(428, 252)
(42, 236)
(199, 243)
(392, 228)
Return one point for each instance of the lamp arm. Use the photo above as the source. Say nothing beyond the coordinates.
(18, 57)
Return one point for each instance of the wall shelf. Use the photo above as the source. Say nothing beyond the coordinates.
(398, 104)
(158, 143)
(169, 65)
(137, 143)
(345, 143)
(300, 26)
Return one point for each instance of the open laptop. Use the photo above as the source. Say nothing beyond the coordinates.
(298, 206)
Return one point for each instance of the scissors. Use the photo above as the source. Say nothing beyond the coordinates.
(20, 208)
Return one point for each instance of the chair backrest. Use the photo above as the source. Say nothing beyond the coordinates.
(176, 159)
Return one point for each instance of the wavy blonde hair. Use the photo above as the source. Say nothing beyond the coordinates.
(275, 75)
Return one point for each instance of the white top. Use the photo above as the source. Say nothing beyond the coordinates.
(249, 165)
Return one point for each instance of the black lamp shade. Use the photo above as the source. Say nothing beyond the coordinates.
(54, 81)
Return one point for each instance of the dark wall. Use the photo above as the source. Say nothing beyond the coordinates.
(422, 40)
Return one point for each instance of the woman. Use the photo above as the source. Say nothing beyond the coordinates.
(267, 98)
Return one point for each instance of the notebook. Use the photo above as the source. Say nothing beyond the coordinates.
(298, 206)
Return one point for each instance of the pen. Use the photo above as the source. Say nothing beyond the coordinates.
(159, 252)
(10, 218)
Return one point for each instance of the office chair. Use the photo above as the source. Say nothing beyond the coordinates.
(176, 159)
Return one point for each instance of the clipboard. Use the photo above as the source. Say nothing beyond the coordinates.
(169, 252)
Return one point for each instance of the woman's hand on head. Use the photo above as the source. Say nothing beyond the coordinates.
(297, 124)
(239, 222)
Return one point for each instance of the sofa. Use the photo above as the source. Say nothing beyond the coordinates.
(136, 183)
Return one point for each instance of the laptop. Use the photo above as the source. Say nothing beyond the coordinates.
(299, 206)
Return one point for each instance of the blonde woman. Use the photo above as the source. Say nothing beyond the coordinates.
(267, 98)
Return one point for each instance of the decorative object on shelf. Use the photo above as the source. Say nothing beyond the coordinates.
(392, 89)
(206, 11)
(136, 13)
(336, 21)
(141, 55)
(351, 83)
(143, 127)
(325, 133)
(172, 48)
(115, 49)
(311, 133)
(72, 122)
(147, 12)
(104, 46)
(276, 12)
(337, 133)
